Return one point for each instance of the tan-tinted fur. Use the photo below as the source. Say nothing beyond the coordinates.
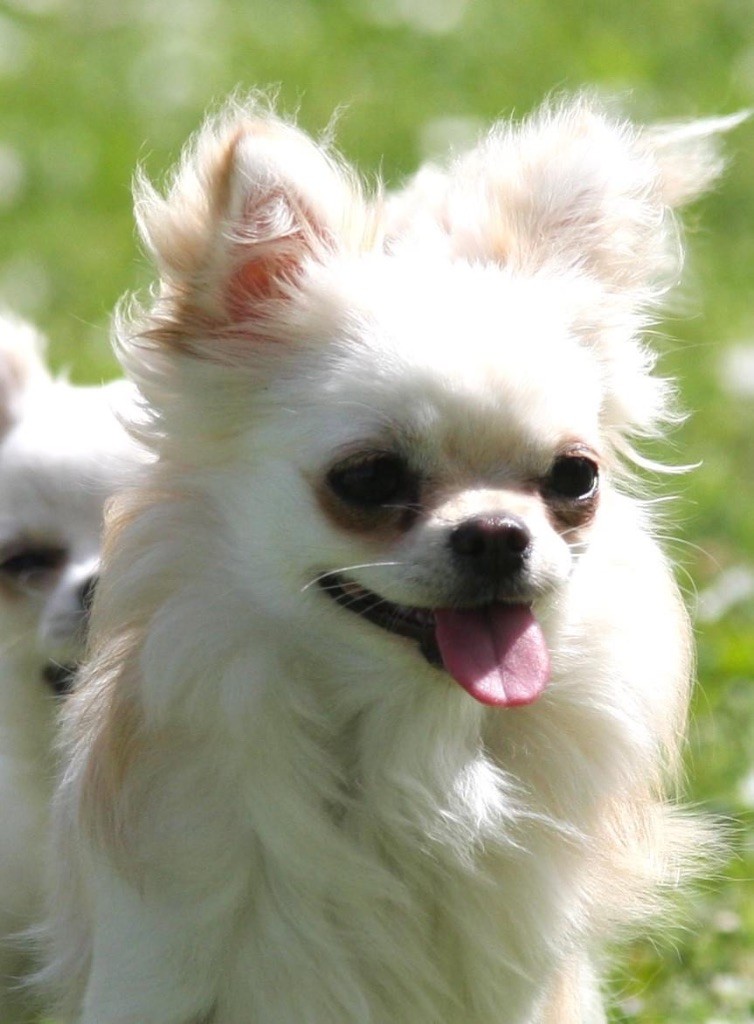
(570, 516)
(17, 371)
(113, 719)
(9, 590)
(108, 714)
(382, 524)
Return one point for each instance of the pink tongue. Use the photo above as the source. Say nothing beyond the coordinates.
(497, 653)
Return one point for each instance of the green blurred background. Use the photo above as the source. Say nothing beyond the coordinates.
(87, 90)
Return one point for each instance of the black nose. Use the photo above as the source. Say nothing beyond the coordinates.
(86, 592)
(494, 545)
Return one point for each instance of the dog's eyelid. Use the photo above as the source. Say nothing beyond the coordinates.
(363, 452)
(363, 455)
(579, 449)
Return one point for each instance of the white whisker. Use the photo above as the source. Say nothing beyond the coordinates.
(346, 568)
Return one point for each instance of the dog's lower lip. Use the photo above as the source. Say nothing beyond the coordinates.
(414, 623)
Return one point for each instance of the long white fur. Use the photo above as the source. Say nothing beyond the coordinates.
(271, 810)
(62, 452)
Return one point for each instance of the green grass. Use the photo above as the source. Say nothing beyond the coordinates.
(88, 89)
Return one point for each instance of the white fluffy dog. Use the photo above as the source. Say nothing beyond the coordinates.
(62, 452)
(388, 670)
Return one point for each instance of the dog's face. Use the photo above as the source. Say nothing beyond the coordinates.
(62, 453)
(436, 455)
(425, 408)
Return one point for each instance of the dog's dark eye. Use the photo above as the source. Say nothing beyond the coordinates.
(372, 480)
(572, 477)
(28, 564)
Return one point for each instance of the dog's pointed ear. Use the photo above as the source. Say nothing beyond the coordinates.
(22, 365)
(575, 188)
(253, 200)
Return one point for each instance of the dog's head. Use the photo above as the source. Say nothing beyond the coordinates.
(62, 452)
(408, 413)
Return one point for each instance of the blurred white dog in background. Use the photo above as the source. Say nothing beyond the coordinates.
(62, 452)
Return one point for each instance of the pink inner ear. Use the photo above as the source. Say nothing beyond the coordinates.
(258, 280)
(277, 232)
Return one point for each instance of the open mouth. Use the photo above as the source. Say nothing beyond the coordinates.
(496, 652)
(416, 624)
